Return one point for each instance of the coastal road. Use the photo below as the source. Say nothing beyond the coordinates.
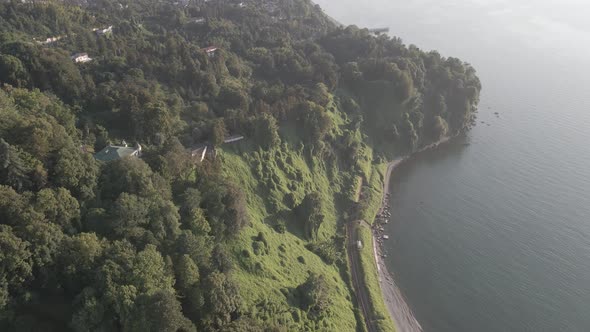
(400, 313)
(354, 259)
(357, 280)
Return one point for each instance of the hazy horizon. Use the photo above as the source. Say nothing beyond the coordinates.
(562, 28)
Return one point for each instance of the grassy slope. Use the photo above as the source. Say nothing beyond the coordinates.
(272, 276)
(373, 192)
(280, 271)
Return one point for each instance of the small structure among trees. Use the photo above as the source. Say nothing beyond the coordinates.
(81, 58)
(49, 40)
(233, 138)
(204, 151)
(103, 32)
(199, 152)
(197, 20)
(114, 152)
(211, 51)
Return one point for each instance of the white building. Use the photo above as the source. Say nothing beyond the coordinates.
(197, 20)
(211, 50)
(81, 58)
(105, 31)
(49, 41)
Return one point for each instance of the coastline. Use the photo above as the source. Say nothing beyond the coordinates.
(401, 314)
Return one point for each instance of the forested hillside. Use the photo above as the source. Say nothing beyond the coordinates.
(250, 237)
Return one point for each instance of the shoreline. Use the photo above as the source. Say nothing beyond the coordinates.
(401, 314)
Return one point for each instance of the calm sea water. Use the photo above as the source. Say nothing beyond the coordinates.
(492, 232)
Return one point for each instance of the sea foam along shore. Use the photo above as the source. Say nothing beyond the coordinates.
(396, 304)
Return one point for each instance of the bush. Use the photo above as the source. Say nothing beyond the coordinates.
(280, 226)
(282, 247)
(325, 250)
(259, 248)
(290, 200)
(258, 267)
(314, 295)
(262, 239)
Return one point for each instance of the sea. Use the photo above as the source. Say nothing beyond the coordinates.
(491, 232)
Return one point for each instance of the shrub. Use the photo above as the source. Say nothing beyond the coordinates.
(262, 239)
(280, 226)
(326, 250)
(259, 248)
(258, 267)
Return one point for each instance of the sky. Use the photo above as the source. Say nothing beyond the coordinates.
(559, 26)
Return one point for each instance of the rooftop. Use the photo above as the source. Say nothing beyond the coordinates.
(233, 138)
(114, 152)
(77, 55)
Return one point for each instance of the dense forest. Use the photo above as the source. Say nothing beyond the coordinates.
(249, 238)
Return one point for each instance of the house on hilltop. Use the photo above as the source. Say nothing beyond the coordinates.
(378, 31)
(105, 31)
(81, 58)
(115, 152)
(197, 20)
(49, 40)
(211, 51)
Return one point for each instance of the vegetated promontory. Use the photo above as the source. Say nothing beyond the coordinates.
(253, 132)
